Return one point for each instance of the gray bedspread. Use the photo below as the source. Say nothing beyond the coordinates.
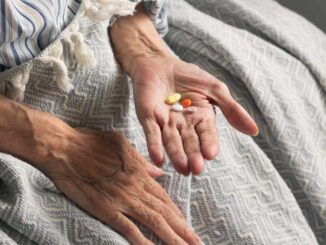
(265, 190)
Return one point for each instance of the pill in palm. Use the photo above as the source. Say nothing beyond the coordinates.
(190, 109)
(186, 102)
(177, 107)
(173, 98)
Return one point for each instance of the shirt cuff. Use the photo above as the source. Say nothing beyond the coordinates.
(156, 11)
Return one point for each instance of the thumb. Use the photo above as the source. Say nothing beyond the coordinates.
(236, 115)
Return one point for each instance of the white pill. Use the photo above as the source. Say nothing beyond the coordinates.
(190, 109)
(177, 107)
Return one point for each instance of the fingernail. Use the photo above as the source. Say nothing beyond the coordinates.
(161, 171)
(155, 171)
(258, 131)
(198, 238)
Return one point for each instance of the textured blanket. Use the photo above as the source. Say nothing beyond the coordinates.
(265, 190)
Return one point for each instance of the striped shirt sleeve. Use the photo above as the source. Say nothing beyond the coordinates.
(28, 27)
(157, 13)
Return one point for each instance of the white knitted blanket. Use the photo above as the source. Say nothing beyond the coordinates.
(265, 190)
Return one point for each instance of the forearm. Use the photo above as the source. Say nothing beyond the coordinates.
(37, 136)
(30, 134)
(135, 37)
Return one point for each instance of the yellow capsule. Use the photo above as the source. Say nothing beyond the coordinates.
(173, 98)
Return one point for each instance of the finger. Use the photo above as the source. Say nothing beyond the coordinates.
(154, 141)
(154, 171)
(154, 221)
(150, 168)
(103, 211)
(191, 145)
(156, 190)
(129, 230)
(174, 148)
(236, 115)
(179, 225)
(208, 136)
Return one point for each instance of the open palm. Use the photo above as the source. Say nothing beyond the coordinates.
(188, 138)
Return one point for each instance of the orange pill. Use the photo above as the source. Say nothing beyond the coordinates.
(186, 103)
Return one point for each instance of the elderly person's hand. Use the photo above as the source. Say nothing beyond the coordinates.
(106, 176)
(188, 138)
(100, 171)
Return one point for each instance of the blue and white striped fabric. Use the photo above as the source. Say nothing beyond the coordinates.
(27, 27)
(158, 15)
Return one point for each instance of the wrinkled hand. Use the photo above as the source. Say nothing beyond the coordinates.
(107, 177)
(188, 138)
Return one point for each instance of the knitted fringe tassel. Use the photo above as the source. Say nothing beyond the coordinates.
(75, 39)
(19, 84)
(59, 67)
(96, 10)
(102, 10)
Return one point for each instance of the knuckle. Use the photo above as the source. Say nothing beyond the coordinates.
(163, 211)
(204, 130)
(194, 153)
(129, 230)
(146, 215)
(174, 150)
(153, 138)
(220, 86)
(155, 220)
(207, 133)
(173, 145)
(136, 208)
(116, 218)
(192, 138)
(172, 139)
(184, 232)
(192, 150)
(165, 197)
(178, 159)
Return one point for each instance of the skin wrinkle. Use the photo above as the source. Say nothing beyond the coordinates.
(87, 176)
(162, 208)
(91, 160)
(90, 191)
(83, 176)
(94, 189)
(105, 192)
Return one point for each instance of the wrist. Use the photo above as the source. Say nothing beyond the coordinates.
(135, 38)
(31, 135)
(49, 139)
